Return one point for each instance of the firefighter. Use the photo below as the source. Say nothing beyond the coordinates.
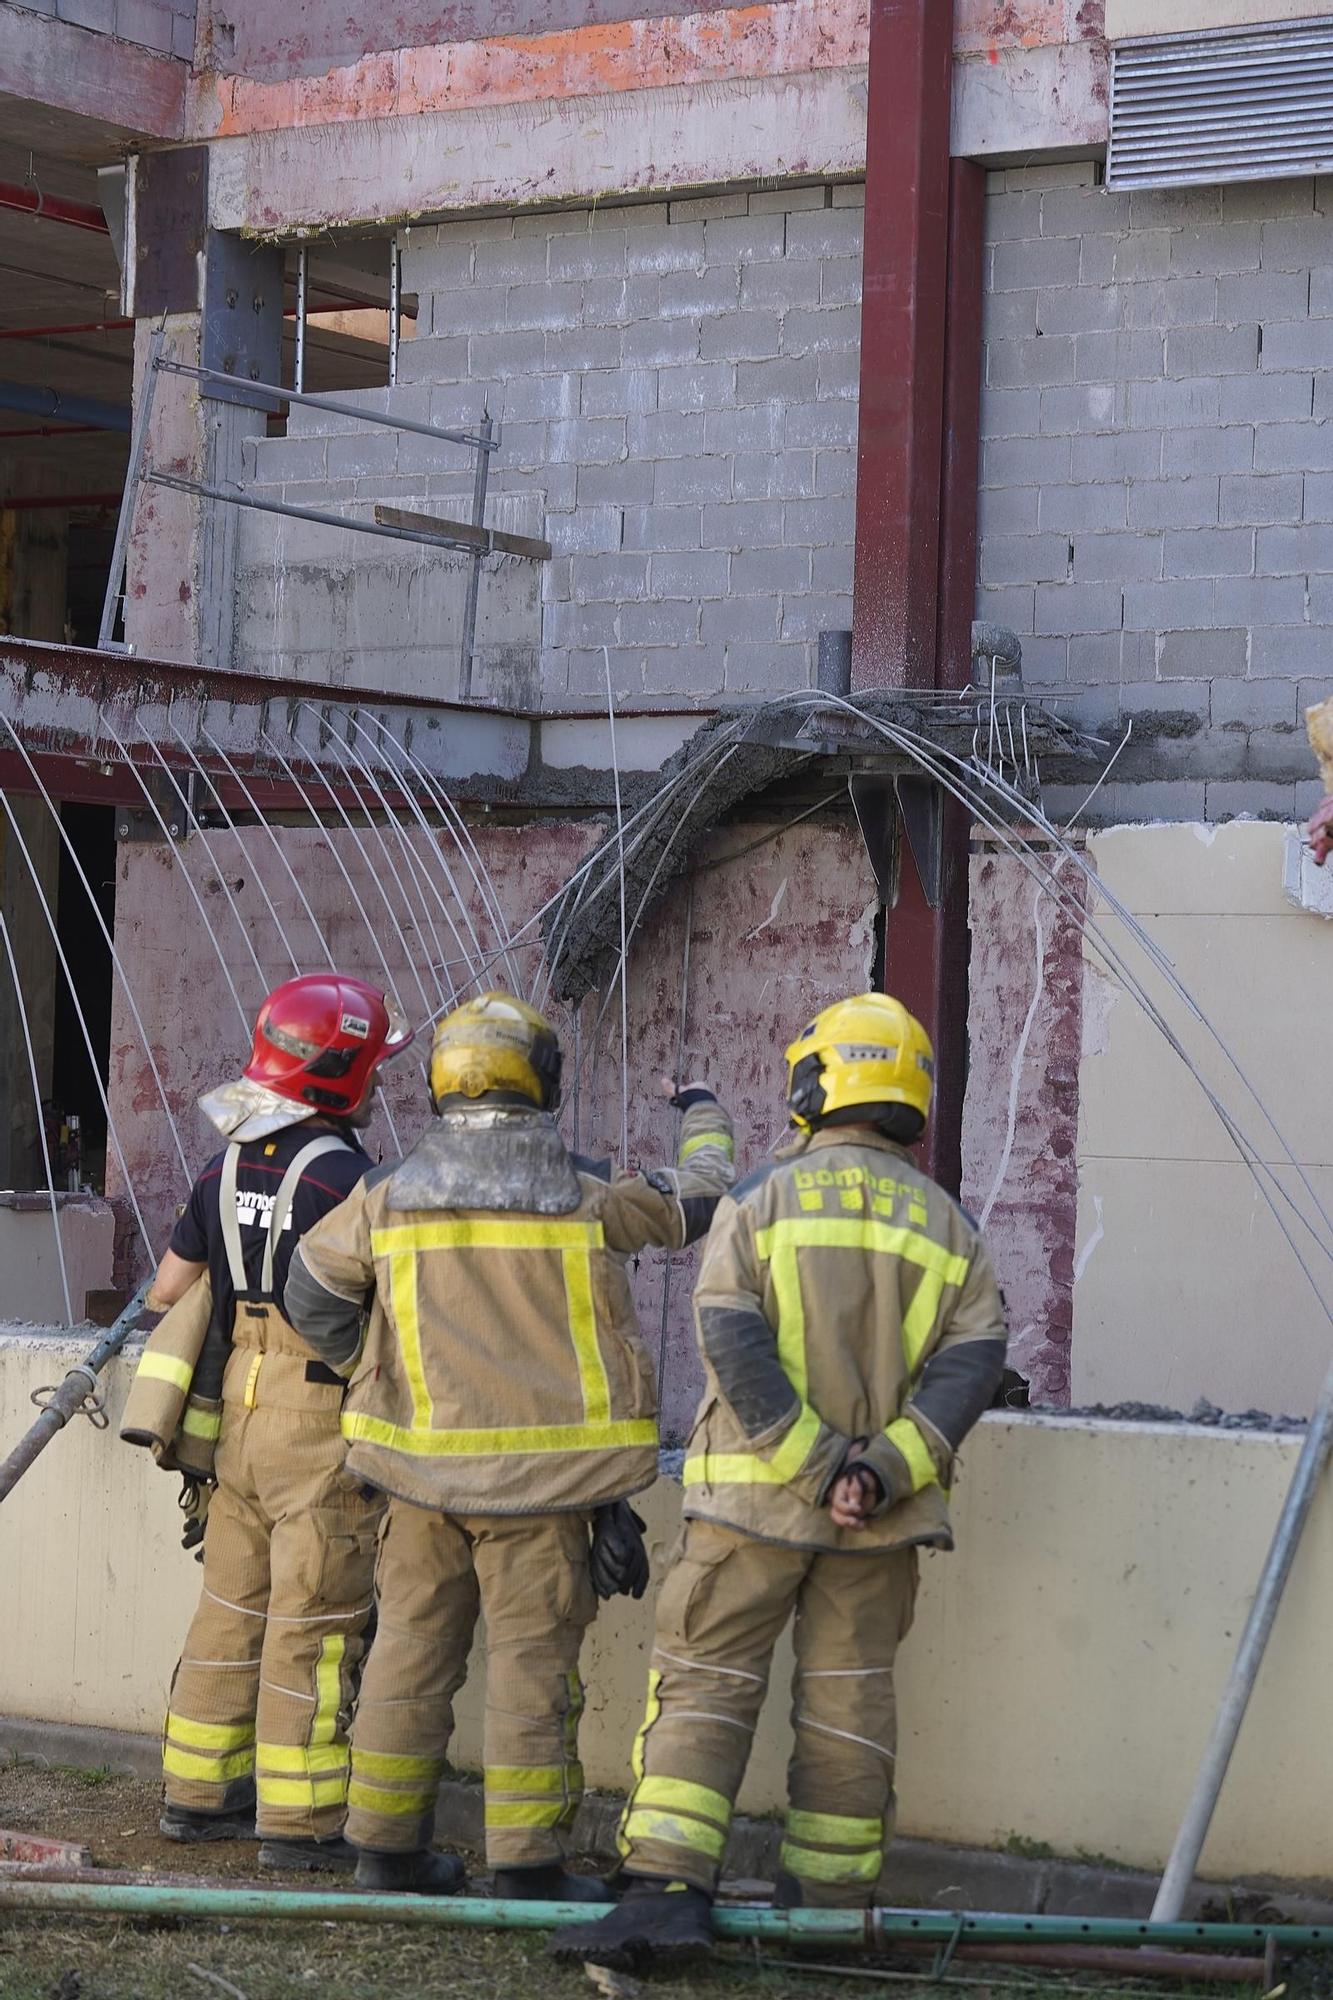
(852, 1334)
(503, 1400)
(255, 1734)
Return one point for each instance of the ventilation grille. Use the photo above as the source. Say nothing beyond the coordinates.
(1248, 106)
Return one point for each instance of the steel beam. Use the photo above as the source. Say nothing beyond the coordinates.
(916, 494)
(29, 200)
(902, 344)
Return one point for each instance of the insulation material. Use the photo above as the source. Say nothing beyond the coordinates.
(1319, 729)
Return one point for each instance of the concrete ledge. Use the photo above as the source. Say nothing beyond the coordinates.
(923, 1874)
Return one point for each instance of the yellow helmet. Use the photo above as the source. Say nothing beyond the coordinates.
(496, 1043)
(864, 1051)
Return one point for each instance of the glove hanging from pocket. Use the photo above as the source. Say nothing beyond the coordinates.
(193, 1500)
(618, 1559)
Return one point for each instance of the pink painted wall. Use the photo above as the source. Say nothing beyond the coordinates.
(307, 36)
(772, 937)
(1020, 1118)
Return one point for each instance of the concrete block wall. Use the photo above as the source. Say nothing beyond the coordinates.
(165, 26)
(677, 384)
(1157, 473)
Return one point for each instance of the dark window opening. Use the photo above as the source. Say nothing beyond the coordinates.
(75, 1116)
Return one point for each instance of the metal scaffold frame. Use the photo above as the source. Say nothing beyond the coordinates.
(471, 538)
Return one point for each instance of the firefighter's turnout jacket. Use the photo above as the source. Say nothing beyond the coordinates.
(260, 1696)
(500, 1393)
(843, 1299)
(502, 1370)
(843, 1295)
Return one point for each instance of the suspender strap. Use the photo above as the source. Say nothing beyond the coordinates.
(277, 1222)
(286, 1195)
(231, 1226)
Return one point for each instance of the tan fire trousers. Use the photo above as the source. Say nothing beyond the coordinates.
(260, 1698)
(724, 1601)
(528, 1575)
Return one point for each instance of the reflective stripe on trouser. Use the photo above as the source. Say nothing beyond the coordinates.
(260, 1697)
(723, 1604)
(528, 1576)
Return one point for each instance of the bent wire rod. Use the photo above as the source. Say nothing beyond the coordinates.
(174, 848)
(482, 880)
(1248, 1151)
(274, 842)
(241, 848)
(624, 942)
(461, 835)
(373, 874)
(41, 1121)
(389, 985)
(345, 750)
(230, 900)
(471, 959)
(107, 939)
(422, 876)
(711, 760)
(652, 811)
(925, 755)
(924, 751)
(681, 821)
(112, 1132)
(372, 826)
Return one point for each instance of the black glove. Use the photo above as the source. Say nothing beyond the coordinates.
(193, 1500)
(619, 1560)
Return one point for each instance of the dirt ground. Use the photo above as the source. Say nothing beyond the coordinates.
(54, 1958)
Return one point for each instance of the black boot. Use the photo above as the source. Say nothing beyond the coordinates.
(334, 1856)
(549, 1883)
(658, 1923)
(183, 1823)
(424, 1871)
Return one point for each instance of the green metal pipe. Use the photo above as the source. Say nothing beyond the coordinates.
(840, 1927)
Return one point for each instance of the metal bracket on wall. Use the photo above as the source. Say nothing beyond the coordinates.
(174, 798)
(921, 809)
(875, 803)
(889, 809)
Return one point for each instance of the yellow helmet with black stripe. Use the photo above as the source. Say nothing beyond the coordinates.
(859, 1053)
(496, 1044)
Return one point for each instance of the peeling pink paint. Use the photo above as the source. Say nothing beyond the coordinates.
(986, 26)
(800, 949)
(773, 38)
(1032, 1192)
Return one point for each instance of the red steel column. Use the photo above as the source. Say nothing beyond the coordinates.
(926, 948)
(902, 344)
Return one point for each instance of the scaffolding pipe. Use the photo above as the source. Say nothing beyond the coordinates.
(78, 1386)
(877, 1929)
(302, 302)
(1184, 1859)
(37, 401)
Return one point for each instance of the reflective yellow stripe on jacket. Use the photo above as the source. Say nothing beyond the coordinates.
(402, 1244)
(777, 1246)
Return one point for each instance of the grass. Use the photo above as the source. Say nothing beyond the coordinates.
(56, 1957)
(120, 1961)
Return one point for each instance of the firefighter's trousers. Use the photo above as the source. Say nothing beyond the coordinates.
(260, 1698)
(528, 1575)
(724, 1602)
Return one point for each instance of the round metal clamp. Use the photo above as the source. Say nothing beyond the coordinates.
(93, 1405)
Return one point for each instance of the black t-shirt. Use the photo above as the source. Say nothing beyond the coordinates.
(327, 1181)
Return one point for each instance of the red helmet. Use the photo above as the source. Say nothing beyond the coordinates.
(318, 1042)
(320, 1038)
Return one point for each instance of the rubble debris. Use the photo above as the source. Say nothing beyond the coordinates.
(1203, 1413)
